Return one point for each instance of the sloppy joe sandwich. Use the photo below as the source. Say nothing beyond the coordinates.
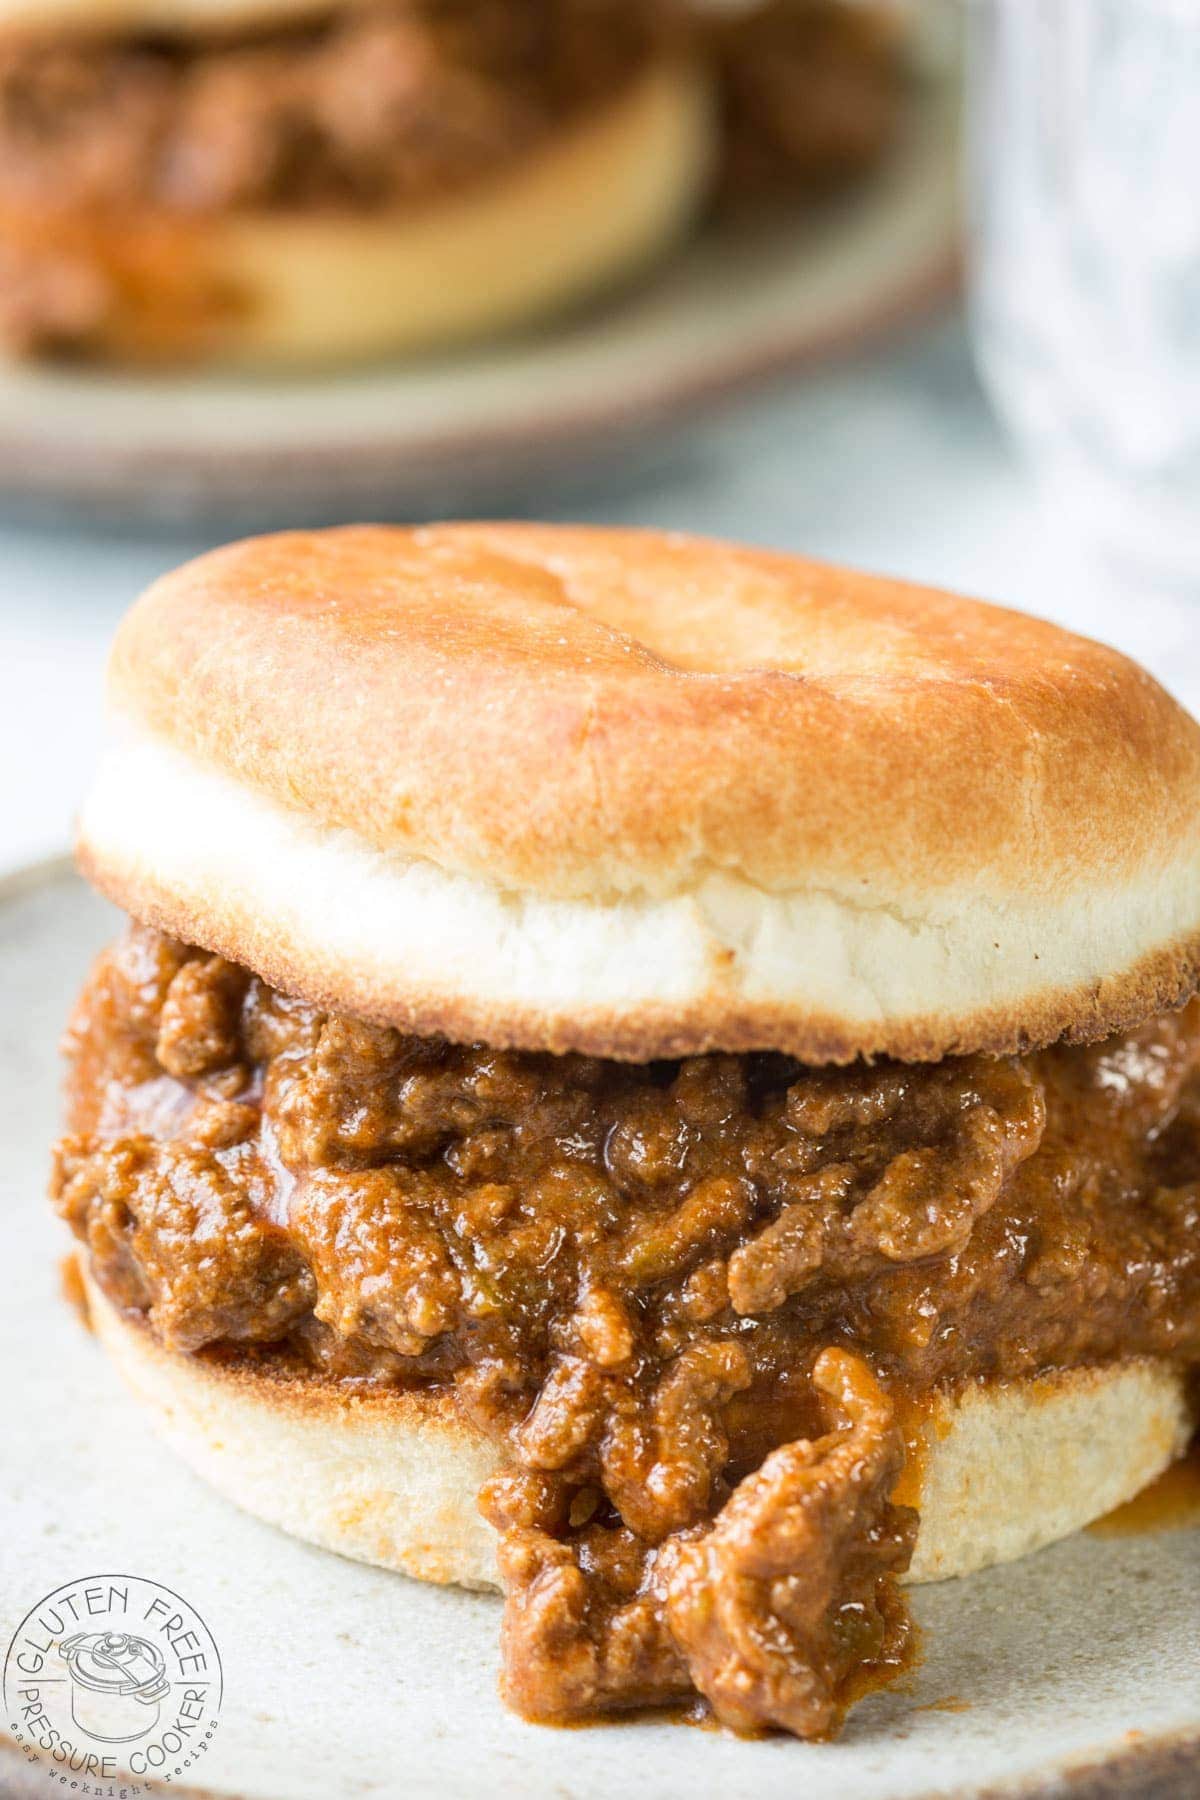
(656, 1076)
(285, 180)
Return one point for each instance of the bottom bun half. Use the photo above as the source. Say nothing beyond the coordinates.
(390, 1478)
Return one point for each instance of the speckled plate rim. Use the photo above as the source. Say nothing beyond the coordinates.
(1153, 1767)
(1154, 1770)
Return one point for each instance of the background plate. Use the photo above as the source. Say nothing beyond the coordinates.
(1073, 1672)
(474, 429)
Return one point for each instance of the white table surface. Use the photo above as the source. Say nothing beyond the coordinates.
(891, 462)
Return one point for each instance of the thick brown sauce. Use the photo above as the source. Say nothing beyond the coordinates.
(1172, 1503)
(72, 1288)
(700, 1305)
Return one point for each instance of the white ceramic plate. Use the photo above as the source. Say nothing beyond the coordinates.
(480, 427)
(1074, 1672)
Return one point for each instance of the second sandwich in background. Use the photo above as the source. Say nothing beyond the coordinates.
(202, 180)
(291, 181)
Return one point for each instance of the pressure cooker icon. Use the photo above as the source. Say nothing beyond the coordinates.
(117, 1683)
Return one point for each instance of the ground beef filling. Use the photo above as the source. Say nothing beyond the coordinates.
(685, 1298)
(381, 104)
(811, 95)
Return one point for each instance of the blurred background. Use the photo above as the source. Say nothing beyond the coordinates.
(907, 284)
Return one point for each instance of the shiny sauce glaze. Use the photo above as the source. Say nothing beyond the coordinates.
(691, 1301)
(1172, 1503)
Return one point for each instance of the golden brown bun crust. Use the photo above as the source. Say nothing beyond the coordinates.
(995, 823)
(391, 1478)
(584, 712)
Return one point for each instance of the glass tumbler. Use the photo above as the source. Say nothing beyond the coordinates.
(1084, 154)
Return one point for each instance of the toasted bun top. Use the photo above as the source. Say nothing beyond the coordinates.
(644, 793)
